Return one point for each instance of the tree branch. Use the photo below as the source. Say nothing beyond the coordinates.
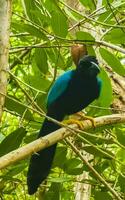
(52, 138)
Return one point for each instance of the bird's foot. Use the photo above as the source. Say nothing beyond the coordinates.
(84, 117)
(74, 121)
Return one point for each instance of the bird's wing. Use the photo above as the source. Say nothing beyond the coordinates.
(59, 87)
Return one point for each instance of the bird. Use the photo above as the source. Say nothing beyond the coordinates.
(71, 92)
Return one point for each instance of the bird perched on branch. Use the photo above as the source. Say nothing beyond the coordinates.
(71, 92)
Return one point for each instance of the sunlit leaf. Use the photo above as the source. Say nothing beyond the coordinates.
(112, 61)
(80, 35)
(41, 60)
(29, 8)
(59, 24)
(115, 36)
(121, 181)
(104, 101)
(120, 134)
(89, 4)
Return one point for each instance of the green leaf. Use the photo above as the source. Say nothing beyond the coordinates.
(94, 151)
(34, 31)
(112, 61)
(16, 169)
(31, 10)
(41, 101)
(1, 137)
(36, 12)
(91, 51)
(97, 140)
(12, 105)
(80, 35)
(72, 163)
(12, 141)
(67, 195)
(40, 57)
(59, 24)
(37, 81)
(55, 58)
(104, 100)
(74, 171)
(120, 133)
(116, 36)
(33, 136)
(88, 4)
(121, 157)
(104, 2)
(54, 192)
(121, 182)
(102, 196)
(31, 29)
(52, 56)
(73, 15)
(102, 166)
(106, 17)
(52, 6)
(60, 155)
(72, 166)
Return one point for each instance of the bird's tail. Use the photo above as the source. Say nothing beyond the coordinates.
(41, 162)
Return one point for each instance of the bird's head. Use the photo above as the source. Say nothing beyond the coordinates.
(88, 65)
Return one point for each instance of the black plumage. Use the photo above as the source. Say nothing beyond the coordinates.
(71, 92)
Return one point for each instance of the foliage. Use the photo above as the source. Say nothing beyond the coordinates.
(42, 32)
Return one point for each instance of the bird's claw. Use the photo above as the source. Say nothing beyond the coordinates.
(74, 121)
(84, 117)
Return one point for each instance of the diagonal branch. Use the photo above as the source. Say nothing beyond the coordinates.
(58, 135)
(52, 138)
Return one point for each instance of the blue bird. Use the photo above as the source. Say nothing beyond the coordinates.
(71, 92)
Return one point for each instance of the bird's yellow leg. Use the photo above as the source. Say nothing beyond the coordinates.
(78, 118)
(84, 117)
(74, 121)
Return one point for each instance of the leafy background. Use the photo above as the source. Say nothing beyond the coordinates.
(42, 32)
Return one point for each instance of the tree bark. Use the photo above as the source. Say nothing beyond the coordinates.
(83, 190)
(5, 14)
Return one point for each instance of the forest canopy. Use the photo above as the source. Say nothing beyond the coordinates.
(42, 33)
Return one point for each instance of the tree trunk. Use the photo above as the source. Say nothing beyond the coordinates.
(5, 14)
(83, 190)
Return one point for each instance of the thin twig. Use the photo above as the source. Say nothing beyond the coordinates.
(29, 86)
(91, 19)
(98, 176)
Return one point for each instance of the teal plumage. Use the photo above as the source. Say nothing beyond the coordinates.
(59, 87)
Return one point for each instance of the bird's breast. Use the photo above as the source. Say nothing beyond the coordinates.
(79, 95)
